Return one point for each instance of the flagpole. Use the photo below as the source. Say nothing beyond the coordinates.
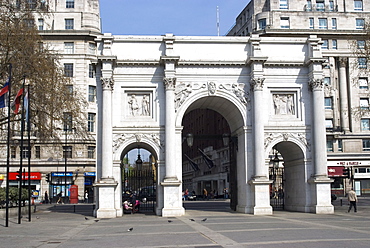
(29, 149)
(8, 151)
(21, 164)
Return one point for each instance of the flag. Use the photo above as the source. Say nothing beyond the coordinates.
(26, 102)
(17, 101)
(4, 95)
(192, 163)
(206, 159)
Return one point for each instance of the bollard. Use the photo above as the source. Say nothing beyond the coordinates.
(74, 208)
(341, 202)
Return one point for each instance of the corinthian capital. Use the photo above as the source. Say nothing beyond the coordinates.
(257, 83)
(169, 83)
(316, 84)
(107, 83)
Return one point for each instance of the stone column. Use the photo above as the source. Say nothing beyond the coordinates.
(343, 94)
(318, 127)
(170, 129)
(107, 141)
(258, 128)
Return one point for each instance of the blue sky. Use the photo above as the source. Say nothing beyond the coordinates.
(158, 17)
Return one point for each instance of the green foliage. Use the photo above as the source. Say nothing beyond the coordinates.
(13, 195)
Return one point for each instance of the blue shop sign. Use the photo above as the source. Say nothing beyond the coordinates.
(89, 174)
(61, 174)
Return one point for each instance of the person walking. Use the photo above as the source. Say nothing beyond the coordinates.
(352, 198)
(46, 198)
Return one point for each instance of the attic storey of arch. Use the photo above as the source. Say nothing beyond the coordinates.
(23, 48)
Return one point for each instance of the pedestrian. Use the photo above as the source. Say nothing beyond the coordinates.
(46, 198)
(205, 194)
(60, 200)
(352, 198)
(86, 196)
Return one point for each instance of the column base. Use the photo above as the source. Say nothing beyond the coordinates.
(106, 198)
(261, 190)
(172, 198)
(321, 202)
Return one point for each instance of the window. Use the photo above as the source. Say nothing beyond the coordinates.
(91, 122)
(320, 5)
(31, 4)
(283, 4)
(340, 145)
(364, 103)
(284, 22)
(69, 90)
(41, 24)
(67, 121)
(334, 23)
(365, 124)
(13, 151)
(309, 5)
(325, 44)
(91, 152)
(67, 151)
(37, 152)
(327, 81)
(311, 23)
(363, 84)
(30, 23)
(334, 44)
(25, 152)
(323, 23)
(262, 24)
(329, 145)
(358, 5)
(68, 70)
(68, 47)
(92, 48)
(69, 24)
(362, 63)
(70, 4)
(331, 5)
(91, 71)
(92, 93)
(366, 145)
(329, 124)
(361, 44)
(360, 23)
(328, 103)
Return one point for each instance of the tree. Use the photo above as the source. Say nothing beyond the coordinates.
(50, 90)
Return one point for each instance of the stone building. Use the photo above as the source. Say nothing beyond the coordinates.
(340, 26)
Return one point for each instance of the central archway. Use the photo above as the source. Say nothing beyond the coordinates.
(226, 165)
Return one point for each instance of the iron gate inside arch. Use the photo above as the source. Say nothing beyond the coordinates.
(277, 188)
(141, 183)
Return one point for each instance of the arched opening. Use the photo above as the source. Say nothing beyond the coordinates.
(288, 175)
(139, 178)
(209, 168)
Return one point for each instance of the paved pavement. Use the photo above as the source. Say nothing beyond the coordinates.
(66, 226)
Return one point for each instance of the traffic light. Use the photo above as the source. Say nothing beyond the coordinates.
(18, 176)
(347, 172)
(47, 177)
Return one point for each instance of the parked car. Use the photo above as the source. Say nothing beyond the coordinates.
(148, 193)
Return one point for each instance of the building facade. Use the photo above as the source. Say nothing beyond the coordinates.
(340, 26)
(70, 29)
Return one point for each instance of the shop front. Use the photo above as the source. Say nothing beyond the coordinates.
(59, 185)
(35, 182)
(339, 185)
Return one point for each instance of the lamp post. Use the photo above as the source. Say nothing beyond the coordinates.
(139, 162)
(65, 166)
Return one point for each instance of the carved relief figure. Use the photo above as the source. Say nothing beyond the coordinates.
(145, 106)
(182, 94)
(134, 106)
(284, 104)
(211, 88)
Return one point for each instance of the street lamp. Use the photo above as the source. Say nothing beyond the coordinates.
(139, 162)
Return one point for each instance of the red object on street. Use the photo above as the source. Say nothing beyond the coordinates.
(73, 198)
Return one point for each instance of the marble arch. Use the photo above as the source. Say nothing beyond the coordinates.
(269, 89)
